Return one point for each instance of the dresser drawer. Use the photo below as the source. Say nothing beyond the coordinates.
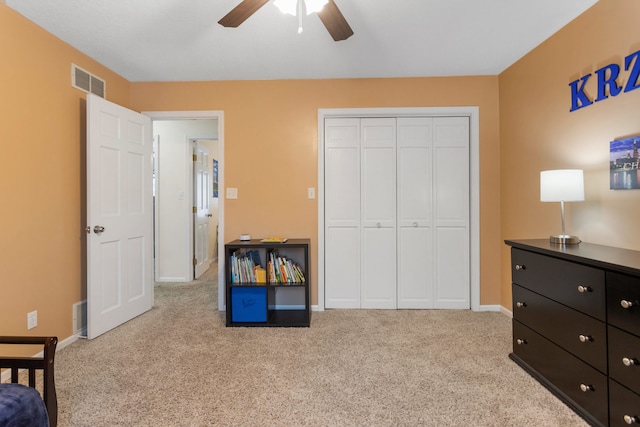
(622, 290)
(624, 358)
(581, 335)
(566, 372)
(569, 283)
(624, 406)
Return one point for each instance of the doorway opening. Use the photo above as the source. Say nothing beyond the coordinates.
(175, 136)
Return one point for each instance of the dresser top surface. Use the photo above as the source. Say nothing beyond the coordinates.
(608, 257)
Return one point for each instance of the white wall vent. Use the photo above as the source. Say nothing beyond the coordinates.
(87, 82)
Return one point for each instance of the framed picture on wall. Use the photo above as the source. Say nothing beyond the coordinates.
(215, 178)
(624, 161)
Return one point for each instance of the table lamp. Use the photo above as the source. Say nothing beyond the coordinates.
(562, 185)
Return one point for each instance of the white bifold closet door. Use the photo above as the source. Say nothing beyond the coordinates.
(378, 213)
(433, 213)
(397, 212)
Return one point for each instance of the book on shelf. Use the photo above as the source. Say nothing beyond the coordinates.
(246, 267)
(274, 240)
(281, 270)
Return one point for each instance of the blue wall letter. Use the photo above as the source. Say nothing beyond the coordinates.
(603, 82)
(578, 98)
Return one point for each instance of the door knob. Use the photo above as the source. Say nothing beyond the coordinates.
(98, 229)
(209, 215)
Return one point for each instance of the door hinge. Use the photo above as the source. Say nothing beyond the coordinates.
(195, 261)
(195, 209)
(195, 157)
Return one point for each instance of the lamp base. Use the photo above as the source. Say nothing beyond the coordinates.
(564, 239)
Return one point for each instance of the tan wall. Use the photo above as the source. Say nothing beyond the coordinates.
(41, 176)
(271, 144)
(538, 132)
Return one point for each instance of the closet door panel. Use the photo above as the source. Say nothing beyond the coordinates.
(378, 201)
(378, 268)
(342, 172)
(452, 268)
(342, 187)
(451, 152)
(451, 222)
(378, 173)
(342, 263)
(415, 207)
(342, 213)
(415, 267)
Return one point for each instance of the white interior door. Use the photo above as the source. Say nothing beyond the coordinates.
(119, 215)
(201, 215)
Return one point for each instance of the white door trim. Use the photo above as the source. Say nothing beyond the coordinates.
(473, 112)
(207, 114)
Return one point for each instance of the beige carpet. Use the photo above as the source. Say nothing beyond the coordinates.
(178, 365)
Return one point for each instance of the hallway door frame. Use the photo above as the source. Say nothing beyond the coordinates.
(211, 115)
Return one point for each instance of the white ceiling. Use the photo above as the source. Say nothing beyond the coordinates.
(180, 40)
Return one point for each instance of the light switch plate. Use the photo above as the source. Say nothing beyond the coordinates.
(311, 193)
(232, 193)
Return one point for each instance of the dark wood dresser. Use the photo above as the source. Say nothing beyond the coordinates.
(576, 325)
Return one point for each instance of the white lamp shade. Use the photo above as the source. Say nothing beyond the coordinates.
(562, 185)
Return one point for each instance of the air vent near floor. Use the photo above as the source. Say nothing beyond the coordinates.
(87, 82)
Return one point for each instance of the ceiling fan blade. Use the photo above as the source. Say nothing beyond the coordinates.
(241, 12)
(333, 19)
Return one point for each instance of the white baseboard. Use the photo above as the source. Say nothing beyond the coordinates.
(494, 307)
(506, 312)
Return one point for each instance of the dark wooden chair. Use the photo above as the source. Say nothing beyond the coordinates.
(44, 363)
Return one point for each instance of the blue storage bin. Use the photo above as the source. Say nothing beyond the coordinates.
(249, 304)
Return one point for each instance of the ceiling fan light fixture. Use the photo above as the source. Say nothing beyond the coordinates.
(314, 6)
(289, 7)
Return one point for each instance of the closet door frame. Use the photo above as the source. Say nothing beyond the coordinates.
(474, 176)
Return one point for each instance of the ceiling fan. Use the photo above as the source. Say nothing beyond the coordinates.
(330, 16)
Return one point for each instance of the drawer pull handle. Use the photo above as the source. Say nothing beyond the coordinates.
(520, 304)
(520, 267)
(629, 361)
(583, 289)
(585, 338)
(520, 341)
(626, 304)
(586, 387)
(630, 419)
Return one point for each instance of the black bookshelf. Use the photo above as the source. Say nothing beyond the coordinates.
(281, 300)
